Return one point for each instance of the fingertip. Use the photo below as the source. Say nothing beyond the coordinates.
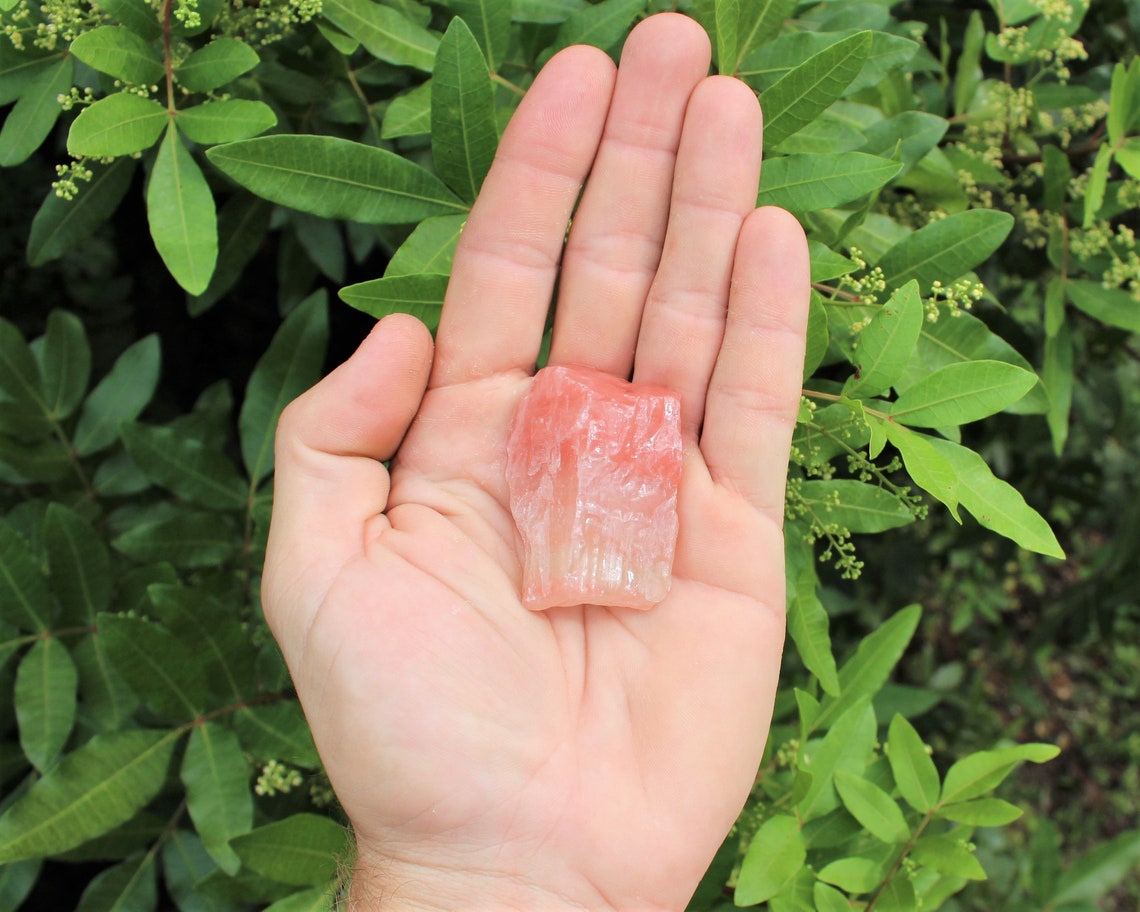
(364, 406)
(670, 35)
(772, 241)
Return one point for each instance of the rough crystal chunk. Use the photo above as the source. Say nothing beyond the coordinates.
(593, 468)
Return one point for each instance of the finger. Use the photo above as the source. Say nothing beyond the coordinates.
(502, 277)
(718, 170)
(615, 242)
(754, 393)
(328, 479)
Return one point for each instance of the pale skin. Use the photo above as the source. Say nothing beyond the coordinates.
(490, 757)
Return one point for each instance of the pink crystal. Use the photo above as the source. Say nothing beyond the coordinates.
(593, 466)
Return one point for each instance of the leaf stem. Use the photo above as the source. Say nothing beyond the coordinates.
(906, 849)
(833, 397)
(168, 56)
(507, 84)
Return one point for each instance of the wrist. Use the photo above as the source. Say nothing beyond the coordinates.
(381, 884)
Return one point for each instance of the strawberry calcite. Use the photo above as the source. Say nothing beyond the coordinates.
(593, 468)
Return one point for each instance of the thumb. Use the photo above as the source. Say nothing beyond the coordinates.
(330, 481)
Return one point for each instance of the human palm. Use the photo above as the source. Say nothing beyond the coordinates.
(493, 757)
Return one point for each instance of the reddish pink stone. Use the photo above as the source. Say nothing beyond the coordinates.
(593, 467)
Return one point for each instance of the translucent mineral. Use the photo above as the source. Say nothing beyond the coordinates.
(593, 467)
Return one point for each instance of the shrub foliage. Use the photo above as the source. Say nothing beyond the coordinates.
(147, 719)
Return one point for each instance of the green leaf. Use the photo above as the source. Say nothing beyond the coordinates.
(961, 393)
(968, 76)
(545, 12)
(408, 114)
(818, 335)
(31, 120)
(119, 124)
(46, 682)
(887, 343)
(137, 15)
(20, 376)
(185, 863)
(216, 776)
(303, 849)
(768, 62)
(1128, 156)
(24, 599)
(65, 363)
(995, 504)
(927, 467)
(803, 183)
(854, 874)
(760, 20)
(862, 508)
(105, 699)
(17, 881)
(224, 121)
(180, 211)
(79, 563)
(945, 249)
(846, 746)
(984, 771)
(803, 93)
(420, 295)
(912, 133)
(828, 899)
(429, 248)
(1058, 173)
(1097, 184)
(775, 855)
(725, 34)
(90, 792)
(291, 364)
(963, 338)
(386, 34)
(602, 25)
(18, 69)
(189, 539)
(315, 899)
(60, 224)
(1057, 375)
(463, 131)
(1109, 305)
(868, 669)
(207, 629)
(220, 62)
(277, 731)
(119, 396)
(983, 812)
(243, 222)
(872, 807)
(159, 668)
(915, 774)
(129, 886)
(1094, 874)
(183, 464)
(897, 895)
(119, 52)
(490, 23)
(807, 618)
(335, 178)
(1123, 105)
(947, 855)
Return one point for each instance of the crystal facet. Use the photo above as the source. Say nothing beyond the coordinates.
(593, 468)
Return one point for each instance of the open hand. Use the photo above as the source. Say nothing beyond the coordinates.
(490, 757)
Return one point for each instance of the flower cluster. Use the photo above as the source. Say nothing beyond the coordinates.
(277, 779)
(264, 21)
